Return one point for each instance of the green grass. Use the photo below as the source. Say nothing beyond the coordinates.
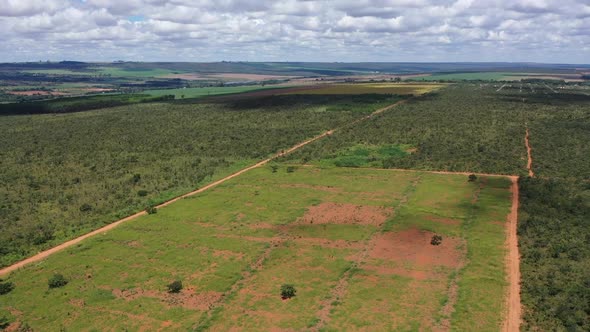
(206, 91)
(210, 241)
(366, 155)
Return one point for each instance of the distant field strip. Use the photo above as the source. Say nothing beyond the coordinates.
(206, 91)
(369, 88)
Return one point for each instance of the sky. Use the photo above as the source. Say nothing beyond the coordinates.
(296, 30)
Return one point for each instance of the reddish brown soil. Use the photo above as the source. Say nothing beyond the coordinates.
(513, 317)
(98, 90)
(338, 213)
(529, 164)
(187, 298)
(413, 246)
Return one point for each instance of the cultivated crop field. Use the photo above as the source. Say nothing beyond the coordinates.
(355, 243)
(369, 88)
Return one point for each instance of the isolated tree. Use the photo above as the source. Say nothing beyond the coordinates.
(85, 207)
(472, 178)
(287, 291)
(58, 280)
(151, 210)
(175, 286)
(436, 240)
(6, 287)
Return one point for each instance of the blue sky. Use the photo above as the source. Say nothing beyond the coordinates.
(296, 30)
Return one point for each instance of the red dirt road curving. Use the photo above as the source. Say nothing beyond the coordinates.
(529, 164)
(44, 254)
(513, 316)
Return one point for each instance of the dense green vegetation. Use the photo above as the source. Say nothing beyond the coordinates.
(554, 236)
(64, 175)
(205, 91)
(458, 128)
(78, 104)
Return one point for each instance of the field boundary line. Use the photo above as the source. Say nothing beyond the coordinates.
(46, 253)
(527, 144)
(513, 307)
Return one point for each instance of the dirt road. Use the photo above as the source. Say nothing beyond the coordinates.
(529, 164)
(44, 254)
(513, 316)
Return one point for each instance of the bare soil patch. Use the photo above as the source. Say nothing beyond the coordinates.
(412, 246)
(187, 298)
(98, 90)
(338, 213)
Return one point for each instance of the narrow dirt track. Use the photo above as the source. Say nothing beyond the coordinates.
(513, 316)
(529, 164)
(44, 254)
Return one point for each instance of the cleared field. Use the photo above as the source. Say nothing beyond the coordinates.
(369, 88)
(354, 242)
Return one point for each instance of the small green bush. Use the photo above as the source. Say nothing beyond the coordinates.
(4, 323)
(85, 207)
(175, 286)
(142, 193)
(151, 210)
(288, 291)
(472, 178)
(6, 287)
(436, 240)
(58, 280)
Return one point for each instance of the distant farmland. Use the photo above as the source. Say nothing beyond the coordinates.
(369, 88)
(207, 91)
